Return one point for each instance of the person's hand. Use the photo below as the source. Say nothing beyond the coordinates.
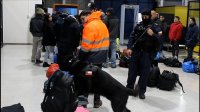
(150, 32)
(127, 52)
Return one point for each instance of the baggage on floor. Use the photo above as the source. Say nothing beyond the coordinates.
(172, 62)
(59, 93)
(190, 66)
(153, 76)
(13, 108)
(124, 62)
(160, 57)
(167, 81)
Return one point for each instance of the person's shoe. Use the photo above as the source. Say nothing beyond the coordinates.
(38, 61)
(33, 61)
(45, 64)
(97, 103)
(141, 96)
(105, 65)
(113, 65)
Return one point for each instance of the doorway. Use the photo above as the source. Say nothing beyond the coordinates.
(1, 23)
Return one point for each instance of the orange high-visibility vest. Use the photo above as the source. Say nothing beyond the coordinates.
(95, 35)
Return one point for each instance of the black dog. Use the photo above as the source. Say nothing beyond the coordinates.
(100, 82)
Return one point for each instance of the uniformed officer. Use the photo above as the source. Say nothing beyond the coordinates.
(142, 47)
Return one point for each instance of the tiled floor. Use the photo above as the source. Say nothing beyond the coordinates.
(22, 81)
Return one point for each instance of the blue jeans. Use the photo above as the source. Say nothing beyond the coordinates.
(112, 52)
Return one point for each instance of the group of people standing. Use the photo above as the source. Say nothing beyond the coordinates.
(146, 40)
(91, 31)
(96, 35)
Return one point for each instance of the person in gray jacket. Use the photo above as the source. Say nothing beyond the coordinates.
(36, 29)
(112, 23)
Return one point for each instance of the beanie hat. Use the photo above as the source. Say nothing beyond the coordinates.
(92, 5)
(39, 11)
(146, 13)
(110, 10)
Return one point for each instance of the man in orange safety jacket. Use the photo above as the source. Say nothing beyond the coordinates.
(95, 42)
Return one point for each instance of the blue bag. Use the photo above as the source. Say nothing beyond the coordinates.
(55, 58)
(190, 66)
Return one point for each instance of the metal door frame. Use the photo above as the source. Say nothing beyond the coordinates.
(122, 21)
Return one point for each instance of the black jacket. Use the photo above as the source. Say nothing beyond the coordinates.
(67, 31)
(36, 26)
(192, 35)
(140, 40)
(112, 23)
(48, 34)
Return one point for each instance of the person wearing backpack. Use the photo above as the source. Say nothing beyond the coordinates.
(67, 32)
(191, 37)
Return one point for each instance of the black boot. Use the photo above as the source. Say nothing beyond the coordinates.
(141, 96)
(45, 64)
(38, 61)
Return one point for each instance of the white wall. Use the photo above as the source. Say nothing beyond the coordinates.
(16, 19)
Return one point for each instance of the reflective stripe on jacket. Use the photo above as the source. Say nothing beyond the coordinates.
(95, 34)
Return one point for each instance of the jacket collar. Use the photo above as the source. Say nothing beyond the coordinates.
(95, 15)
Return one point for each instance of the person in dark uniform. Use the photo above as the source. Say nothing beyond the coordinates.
(142, 47)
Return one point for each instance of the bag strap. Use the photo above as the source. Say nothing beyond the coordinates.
(48, 88)
(177, 79)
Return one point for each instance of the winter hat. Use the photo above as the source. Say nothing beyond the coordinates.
(39, 11)
(92, 5)
(110, 10)
(146, 12)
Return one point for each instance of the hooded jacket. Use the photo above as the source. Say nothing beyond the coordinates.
(95, 40)
(67, 31)
(175, 31)
(36, 26)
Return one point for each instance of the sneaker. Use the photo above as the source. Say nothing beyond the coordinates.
(141, 96)
(45, 64)
(105, 65)
(97, 103)
(113, 65)
(38, 61)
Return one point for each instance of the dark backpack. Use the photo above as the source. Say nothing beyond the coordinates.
(13, 108)
(153, 77)
(59, 93)
(172, 62)
(124, 62)
(167, 81)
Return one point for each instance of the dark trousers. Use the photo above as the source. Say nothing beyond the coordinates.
(96, 96)
(140, 63)
(175, 48)
(63, 61)
(190, 52)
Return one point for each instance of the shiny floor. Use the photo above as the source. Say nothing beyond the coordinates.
(22, 82)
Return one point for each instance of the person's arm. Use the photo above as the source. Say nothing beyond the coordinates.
(31, 26)
(195, 33)
(179, 32)
(88, 37)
